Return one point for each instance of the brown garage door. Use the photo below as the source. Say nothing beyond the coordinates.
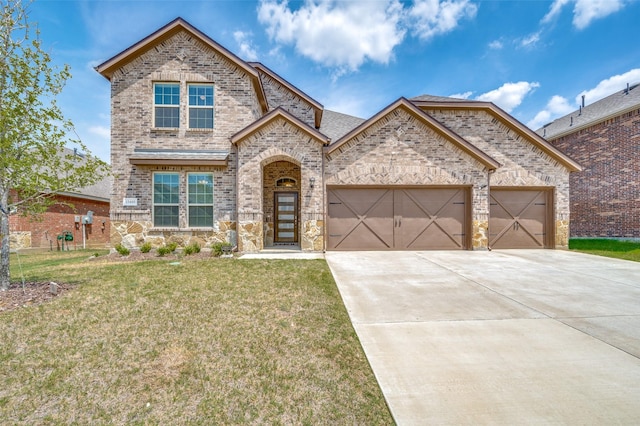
(521, 218)
(398, 218)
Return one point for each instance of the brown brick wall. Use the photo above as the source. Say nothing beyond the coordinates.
(185, 60)
(280, 96)
(60, 217)
(605, 196)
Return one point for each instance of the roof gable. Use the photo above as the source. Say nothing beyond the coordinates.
(403, 103)
(108, 68)
(274, 115)
(508, 121)
(317, 106)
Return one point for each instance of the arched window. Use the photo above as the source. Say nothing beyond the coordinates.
(286, 182)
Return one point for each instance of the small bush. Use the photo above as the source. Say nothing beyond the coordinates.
(191, 249)
(122, 250)
(162, 251)
(172, 247)
(145, 248)
(217, 248)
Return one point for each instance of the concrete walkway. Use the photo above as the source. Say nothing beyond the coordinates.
(503, 337)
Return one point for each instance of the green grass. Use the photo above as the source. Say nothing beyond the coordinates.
(219, 341)
(627, 250)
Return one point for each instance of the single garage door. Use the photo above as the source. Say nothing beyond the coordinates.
(521, 218)
(398, 218)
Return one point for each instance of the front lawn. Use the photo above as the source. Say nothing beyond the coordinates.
(627, 250)
(215, 341)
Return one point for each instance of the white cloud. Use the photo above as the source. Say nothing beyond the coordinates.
(584, 11)
(496, 45)
(464, 95)
(609, 86)
(433, 17)
(345, 34)
(341, 35)
(101, 131)
(556, 107)
(509, 95)
(531, 40)
(246, 50)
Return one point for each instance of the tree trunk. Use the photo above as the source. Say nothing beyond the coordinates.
(5, 275)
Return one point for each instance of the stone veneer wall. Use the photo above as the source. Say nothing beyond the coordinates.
(182, 59)
(401, 150)
(279, 140)
(523, 164)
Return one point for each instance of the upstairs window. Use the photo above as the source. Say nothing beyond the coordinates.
(166, 105)
(200, 106)
(200, 199)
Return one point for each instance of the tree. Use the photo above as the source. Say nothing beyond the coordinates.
(34, 164)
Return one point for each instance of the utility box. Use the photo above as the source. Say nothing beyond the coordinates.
(88, 219)
(77, 219)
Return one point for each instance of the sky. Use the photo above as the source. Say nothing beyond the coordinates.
(534, 59)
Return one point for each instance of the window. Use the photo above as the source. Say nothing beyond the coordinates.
(166, 99)
(200, 106)
(166, 198)
(200, 199)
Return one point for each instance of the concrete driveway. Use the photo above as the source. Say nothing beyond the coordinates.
(502, 337)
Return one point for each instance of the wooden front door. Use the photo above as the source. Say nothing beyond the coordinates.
(286, 217)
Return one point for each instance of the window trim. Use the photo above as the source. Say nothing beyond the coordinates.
(167, 106)
(201, 107)
(195, 204)
(154, 204)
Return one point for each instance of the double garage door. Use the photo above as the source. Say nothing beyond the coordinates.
(433, 218)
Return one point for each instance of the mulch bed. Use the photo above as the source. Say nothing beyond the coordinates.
(33, 293)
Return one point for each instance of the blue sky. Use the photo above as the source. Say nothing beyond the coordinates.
(535, 59)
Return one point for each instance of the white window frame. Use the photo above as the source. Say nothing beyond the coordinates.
(155, 204)
(200, 107)
(166, 106)
(194, 204)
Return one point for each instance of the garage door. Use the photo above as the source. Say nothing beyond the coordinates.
(521, 218)
(397, 219)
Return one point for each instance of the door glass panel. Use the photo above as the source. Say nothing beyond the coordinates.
(286, 207)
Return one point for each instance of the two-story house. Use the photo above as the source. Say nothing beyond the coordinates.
(207, 147)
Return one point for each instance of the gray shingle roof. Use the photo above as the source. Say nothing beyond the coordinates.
(100, 190)
(335, 124)
(431, 98)
(605, 108)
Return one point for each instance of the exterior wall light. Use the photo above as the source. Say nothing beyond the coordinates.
(312, 182)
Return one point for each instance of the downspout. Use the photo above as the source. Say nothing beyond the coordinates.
(489, 173)
(324, 205)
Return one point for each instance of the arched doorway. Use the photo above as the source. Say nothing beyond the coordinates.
(281, 204)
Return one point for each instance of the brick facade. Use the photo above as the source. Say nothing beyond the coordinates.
(42, 232)
(264, 144)
(605, 200)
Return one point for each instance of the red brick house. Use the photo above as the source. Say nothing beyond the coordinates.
(604, 137)
(84, 215)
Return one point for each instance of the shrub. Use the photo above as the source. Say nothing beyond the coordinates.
(191, 249)
(163, 251)
(172, 247)
(145, 248)
(217, 248)
(122, 250)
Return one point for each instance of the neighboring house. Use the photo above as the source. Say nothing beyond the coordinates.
(208, 148)
(604, 137)
(70, 214)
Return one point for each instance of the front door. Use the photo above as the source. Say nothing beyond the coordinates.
(286, 217)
